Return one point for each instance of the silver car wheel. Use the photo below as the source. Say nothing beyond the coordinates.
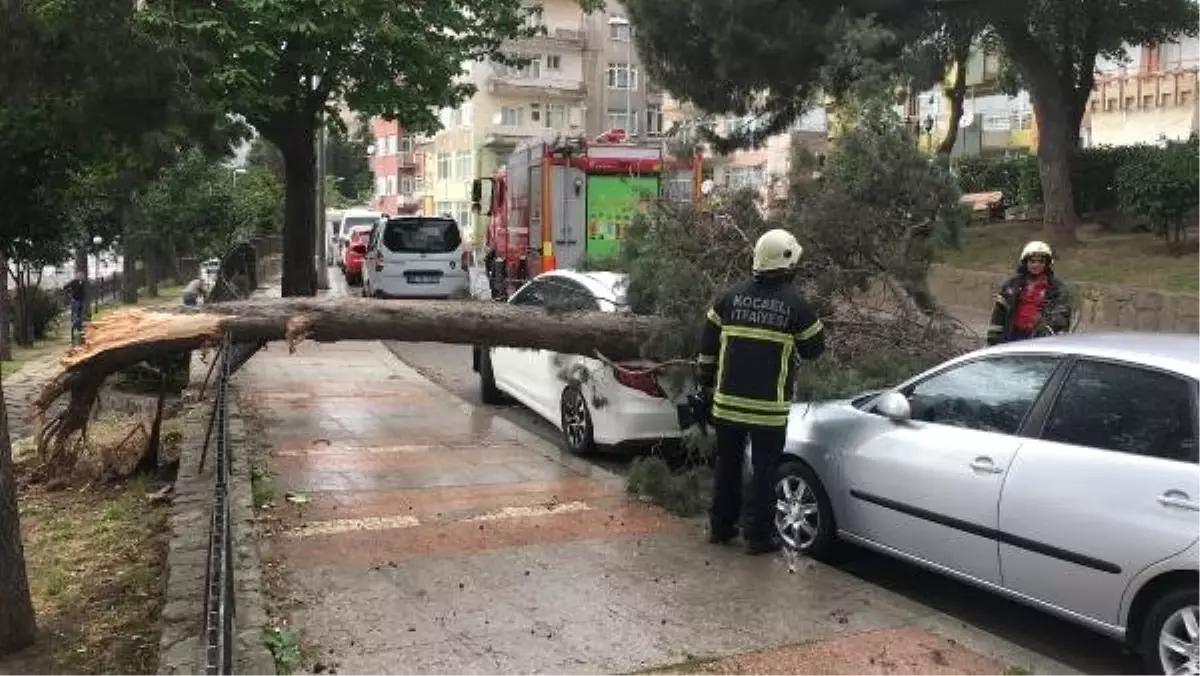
(797, 514)
(1179, 642)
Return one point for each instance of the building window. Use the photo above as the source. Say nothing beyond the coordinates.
(468, 114)
(406, 144)
(622, 76)
(535, 112)
(1130, 102)
(556, 116)
(443, 166)
(746, 177)
(380, 186)
(1164, 100)
(1094, 105)
(1110, 104)
(510, 116)
(456, 118)
(406, 185)
(1148, 101)
(418, 183)
(621, 31)
(622, 120)
(462, 164)
(553, 62)
(1185, 98)
(654, 119)
(391, 185)
(530, 71)
(381, 146)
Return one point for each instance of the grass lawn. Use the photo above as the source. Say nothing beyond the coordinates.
(95, 561)
(1122, 259)
(59, 337)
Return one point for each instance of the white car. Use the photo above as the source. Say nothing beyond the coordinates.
(610, 405)
(416, 257)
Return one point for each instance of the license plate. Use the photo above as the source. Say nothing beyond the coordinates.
(423, 279)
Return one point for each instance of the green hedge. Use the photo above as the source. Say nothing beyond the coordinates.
(1160, 189)
(1093, 171)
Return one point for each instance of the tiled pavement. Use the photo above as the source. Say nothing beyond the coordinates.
(439, 539)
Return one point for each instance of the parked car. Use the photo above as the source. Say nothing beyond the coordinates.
(613, 405)
(1061, 472)
(355, 251)
(416, 257)
(351, 218)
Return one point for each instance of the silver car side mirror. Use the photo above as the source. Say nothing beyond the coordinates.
(894, 406)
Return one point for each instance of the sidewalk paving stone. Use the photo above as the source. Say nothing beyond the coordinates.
(438, 538)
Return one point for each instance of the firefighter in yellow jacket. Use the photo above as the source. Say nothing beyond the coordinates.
(753, 337)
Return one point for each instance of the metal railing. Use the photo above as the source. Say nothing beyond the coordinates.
(218, 579)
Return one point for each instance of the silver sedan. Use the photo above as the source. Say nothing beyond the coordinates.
(1061, 472)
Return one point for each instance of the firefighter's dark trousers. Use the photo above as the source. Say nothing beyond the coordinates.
(766, 446)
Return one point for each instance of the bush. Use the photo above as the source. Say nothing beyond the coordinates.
(1093, 175)
(36, 311)
(1160, 188)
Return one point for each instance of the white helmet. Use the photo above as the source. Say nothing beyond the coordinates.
(1037, 248)
(776, 250)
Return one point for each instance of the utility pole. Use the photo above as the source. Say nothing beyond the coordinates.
(322, 240)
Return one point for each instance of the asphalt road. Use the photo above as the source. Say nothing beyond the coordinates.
(450, 367)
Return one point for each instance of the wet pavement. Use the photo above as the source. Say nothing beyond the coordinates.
(440, 538)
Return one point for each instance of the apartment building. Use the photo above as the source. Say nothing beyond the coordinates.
(620, 95)
(758, 168)
(1148, 97)
(395, 168)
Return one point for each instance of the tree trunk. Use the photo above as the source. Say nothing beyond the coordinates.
(1055, 152)
(300, 217)
(152, 269)
(18, 627)
(958, 93)
(6, 312)
(126, 338)
(81, 258)
(129, 285)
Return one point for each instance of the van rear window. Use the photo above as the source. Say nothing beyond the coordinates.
(421, 235)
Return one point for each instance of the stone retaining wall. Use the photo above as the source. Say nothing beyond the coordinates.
(1101, 307)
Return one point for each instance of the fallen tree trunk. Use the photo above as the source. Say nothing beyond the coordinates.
(126, 338)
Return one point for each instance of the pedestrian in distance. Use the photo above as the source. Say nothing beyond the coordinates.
(75, 292)
(754, 336)
(192, 293)
(1032, 303)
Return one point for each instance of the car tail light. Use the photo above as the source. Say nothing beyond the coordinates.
(642, 381)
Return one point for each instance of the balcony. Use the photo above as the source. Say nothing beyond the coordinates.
(506, 136)
(569, 39)
(406, 160)
(500, 84)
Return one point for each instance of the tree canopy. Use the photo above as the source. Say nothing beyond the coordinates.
(740, 57)
(282, 65)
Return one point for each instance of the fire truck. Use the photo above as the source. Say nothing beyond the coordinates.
(555, 201)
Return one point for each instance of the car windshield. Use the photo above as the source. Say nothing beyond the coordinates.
(422, 235)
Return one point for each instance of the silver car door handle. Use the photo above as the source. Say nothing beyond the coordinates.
(986, 465)
(1178, 499)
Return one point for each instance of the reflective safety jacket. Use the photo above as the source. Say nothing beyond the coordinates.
(753, 336)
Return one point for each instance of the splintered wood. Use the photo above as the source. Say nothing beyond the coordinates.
(125, 328)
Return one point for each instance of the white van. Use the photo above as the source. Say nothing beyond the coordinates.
(416, 257)
(350, 219)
